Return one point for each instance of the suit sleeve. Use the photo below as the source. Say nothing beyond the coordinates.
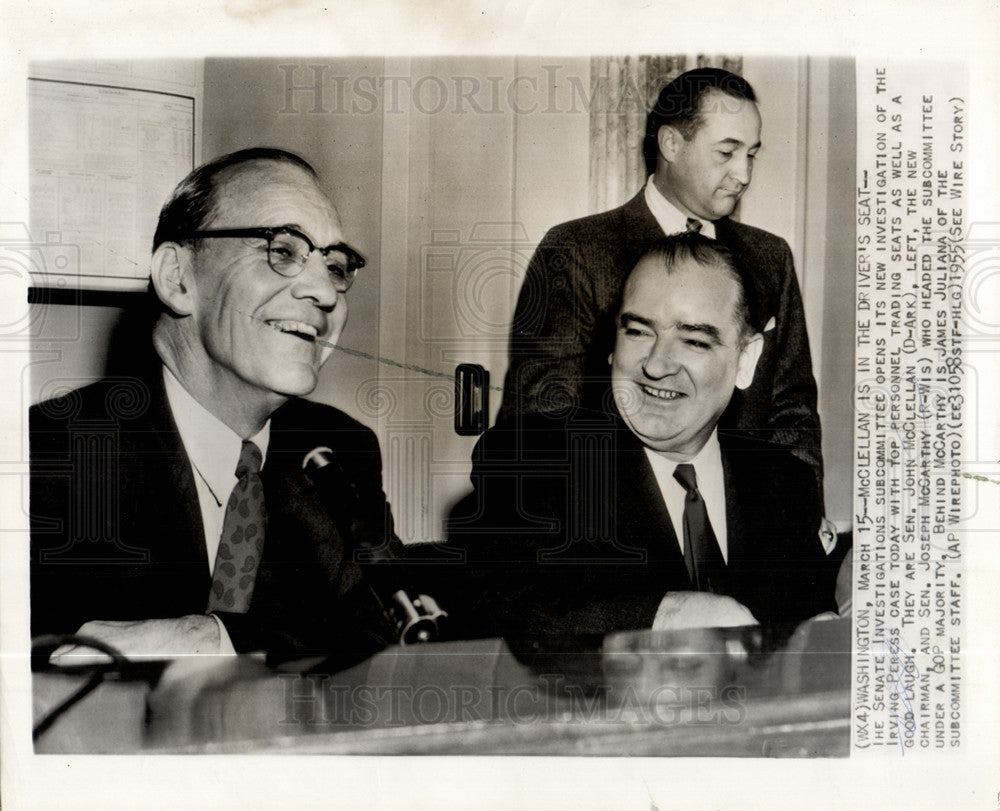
(783, 573)
(794, 419)
(553, 330)
(359, 627)
(50, 495)
(528, 568)
(326, 598)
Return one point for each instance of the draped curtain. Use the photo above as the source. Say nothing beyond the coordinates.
(623, 89)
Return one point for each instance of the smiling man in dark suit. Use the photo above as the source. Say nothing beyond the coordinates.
(170, 511)
(648, 515)
(702, 138)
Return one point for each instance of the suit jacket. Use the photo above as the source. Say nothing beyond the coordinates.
(566, 532)
(117, 534)
(563, 327)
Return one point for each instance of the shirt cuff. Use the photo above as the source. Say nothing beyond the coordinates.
(225, 643)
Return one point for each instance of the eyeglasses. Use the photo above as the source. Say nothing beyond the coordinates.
(288, 250)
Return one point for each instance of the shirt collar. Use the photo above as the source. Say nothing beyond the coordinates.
(707, 462)
(671, 219)
(711, 484)
(212, 446)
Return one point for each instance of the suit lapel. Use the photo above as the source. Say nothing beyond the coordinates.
(172, 516)
(643, 516)
(300, 527)
(640, 228)
(757, 265)
(159, 515)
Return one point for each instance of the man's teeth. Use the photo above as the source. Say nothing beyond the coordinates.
(298, 327)
(662, 394)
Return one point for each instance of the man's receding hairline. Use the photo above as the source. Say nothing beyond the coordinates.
(237, 170)
(693, 265)
(232, 174)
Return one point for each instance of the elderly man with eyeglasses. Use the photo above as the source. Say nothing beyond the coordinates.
(170, 511)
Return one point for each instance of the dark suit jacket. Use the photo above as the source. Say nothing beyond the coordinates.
(563, 327)
(116, 530)
(566, 532)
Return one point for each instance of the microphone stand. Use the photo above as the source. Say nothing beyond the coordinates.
(417, 617)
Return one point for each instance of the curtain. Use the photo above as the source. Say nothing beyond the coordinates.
(622, 91)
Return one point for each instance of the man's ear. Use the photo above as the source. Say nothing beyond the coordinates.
(172, 276)
(668, 141)
(747, 362)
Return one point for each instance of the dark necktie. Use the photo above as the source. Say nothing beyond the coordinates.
(242, 538)
(694, 225)
(705, 564)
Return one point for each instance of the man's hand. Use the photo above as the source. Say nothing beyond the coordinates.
(699, 609)
(145, 639)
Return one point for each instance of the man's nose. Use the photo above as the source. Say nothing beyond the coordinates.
(741, 170)
(316, 282)
(662, 358)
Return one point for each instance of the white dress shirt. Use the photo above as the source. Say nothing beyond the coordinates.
(213, 449)
(671, 219)
(711, 485)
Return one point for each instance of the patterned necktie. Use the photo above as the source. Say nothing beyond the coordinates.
(705, 564)
(242, 538)
(694, 225)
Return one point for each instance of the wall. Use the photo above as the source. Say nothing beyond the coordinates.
(69, 347)
(776, 200)
(70, 343)
(299, 105)
(446, 173)
(472, 181)
(835, 333)
(803, 191)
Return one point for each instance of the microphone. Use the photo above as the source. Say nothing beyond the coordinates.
(415, 616)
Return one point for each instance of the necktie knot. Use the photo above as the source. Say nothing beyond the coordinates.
(251, 460)
(684, 473)
(694, 225)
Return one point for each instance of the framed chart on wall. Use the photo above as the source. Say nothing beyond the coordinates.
(102, 159)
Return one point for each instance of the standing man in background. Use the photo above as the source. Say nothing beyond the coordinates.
(702, 138)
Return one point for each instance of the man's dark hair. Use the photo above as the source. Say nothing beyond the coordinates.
(192, 203)
(689, 246)
(680, 105)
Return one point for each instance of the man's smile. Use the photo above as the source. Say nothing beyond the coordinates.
(662, 394)
(299, 329)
